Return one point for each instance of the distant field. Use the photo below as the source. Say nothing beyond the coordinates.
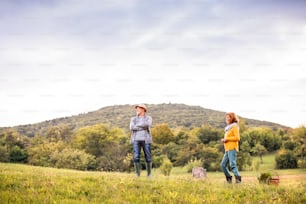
(268, 162)
(28, 184)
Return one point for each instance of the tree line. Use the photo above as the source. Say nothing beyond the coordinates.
(105, 148)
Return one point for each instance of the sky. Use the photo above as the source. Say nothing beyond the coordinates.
(65, 57)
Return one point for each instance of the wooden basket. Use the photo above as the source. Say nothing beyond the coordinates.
(274, 180)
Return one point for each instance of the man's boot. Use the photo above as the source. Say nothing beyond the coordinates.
(137, 168)
(149, 167)
(238, 179)
(229, 179)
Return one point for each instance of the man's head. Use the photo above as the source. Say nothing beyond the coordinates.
(141, 109)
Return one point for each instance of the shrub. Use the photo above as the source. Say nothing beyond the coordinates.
(166, 167)
(193, 163)
(264, 177)
(18, 155)
(4, 156)
(286, 160)
(73, 159)
(302, 163)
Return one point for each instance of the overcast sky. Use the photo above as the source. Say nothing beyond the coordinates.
(64, 57)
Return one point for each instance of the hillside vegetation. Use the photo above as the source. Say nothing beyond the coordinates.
(175, 115)
(81, 145)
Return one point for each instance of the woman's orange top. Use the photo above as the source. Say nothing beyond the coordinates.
(232, 138)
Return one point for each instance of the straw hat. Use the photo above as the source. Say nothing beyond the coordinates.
(142, 106)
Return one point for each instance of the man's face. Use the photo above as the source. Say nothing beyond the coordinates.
(139, 111)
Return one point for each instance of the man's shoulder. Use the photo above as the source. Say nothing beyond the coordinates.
(149, 117)
(146, 116)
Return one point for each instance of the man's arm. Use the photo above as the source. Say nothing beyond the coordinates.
(134, 127)
(146, 124)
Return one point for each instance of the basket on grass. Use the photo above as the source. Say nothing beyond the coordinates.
(268, 178)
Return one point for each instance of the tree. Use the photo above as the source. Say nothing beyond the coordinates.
(57, 133)
(242, 125)
(73, 159)
(299, 136)
(162, 134)
(40, 155)
(207, 134)
(94, 139)
(259, 150)
(286, 159)
(270, 140)
(171, 150)
(17, 154)
(264, 136)
(182, 136)
(210, 155)
(12, 146)
(114, 158)
(11, 138)
(244, 158)
(291, 145)
(4, 156)
(106, 144)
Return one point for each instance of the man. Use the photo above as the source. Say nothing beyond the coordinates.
(141, 138)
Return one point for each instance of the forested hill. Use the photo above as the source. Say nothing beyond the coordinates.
(175, 115)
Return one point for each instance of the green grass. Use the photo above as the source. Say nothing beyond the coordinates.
(268, 162)
(28, 184)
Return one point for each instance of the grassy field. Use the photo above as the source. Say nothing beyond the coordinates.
(29, 184)
(268, 162)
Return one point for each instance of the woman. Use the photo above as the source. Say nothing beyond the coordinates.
(230, 141)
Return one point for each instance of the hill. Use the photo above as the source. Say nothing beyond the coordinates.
(175, 115)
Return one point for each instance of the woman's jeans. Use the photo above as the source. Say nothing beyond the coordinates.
(146, 149)
(230, 158)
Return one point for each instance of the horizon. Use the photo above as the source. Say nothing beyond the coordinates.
(65, 57)
(148, 105)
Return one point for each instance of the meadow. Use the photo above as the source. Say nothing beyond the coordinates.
(29, 184)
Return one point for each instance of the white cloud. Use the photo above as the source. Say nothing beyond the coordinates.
(71, 57)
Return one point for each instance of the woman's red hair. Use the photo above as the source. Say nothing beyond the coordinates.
(233, 116)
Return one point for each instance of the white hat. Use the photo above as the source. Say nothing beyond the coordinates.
(142, 106)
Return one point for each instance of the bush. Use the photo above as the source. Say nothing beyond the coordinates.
(18, 155)
(193, 163)
(264, 177)
(73, 159)
(291, 145)
(40, 155)
(116, 159)
(286, 160)
(302, 163)
(4, 156)
(166, 167)
(158, 160)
